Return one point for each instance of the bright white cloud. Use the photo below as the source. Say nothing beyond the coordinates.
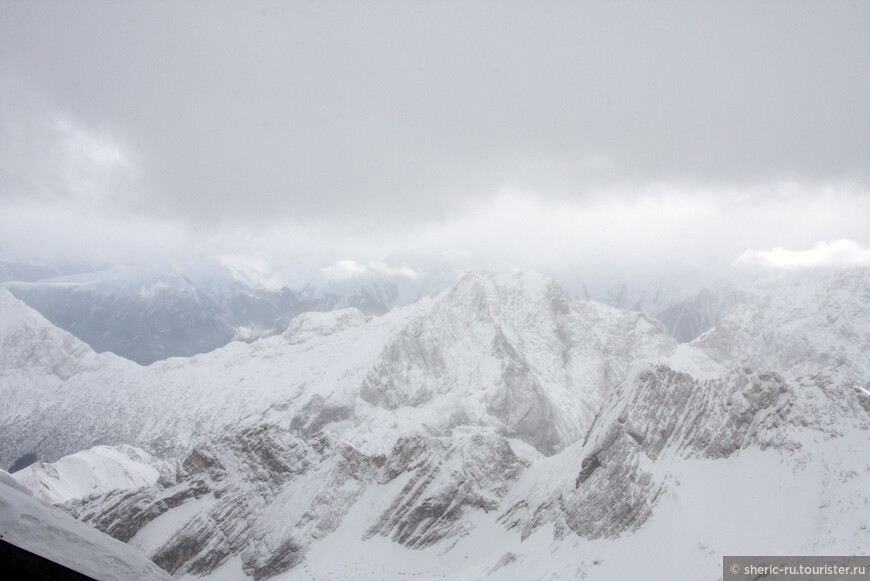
(72, 189)
(348, 269)
(629, 229)
(837, 254)
(625, 229)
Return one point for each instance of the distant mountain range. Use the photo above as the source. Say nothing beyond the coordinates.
(148, 313)
(501, 429)
(153, 312)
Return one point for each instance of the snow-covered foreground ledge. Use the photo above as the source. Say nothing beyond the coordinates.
(50, 533)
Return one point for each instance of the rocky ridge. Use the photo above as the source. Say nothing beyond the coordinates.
(426, 428)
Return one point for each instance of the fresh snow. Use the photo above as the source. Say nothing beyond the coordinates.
(49, 532)
(155, 534)
(97, 470)
(460, 425)
(473, 331)
(755, 502)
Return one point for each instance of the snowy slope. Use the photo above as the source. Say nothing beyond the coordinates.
(29, 524)
(615, 479)
(150, 312)
(94, 471)
(774, 501)
(812, 325)
(511, 350)
(500, 429)
(497, 334)
(30, 343)
(702, 311)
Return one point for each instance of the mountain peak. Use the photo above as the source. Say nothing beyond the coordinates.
(809, 325)
(512, 351)
(314, 324)
(504, 283)
(504, 294)
(29, 341)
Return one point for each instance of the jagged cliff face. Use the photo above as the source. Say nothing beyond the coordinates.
(265, 495)
(501, 409)
(658, 413)
(500, 350)
(262, 494)
(513, 351)
(811, 327)
(442, 482)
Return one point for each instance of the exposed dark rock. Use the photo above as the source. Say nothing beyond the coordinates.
(251, 475)
(660, 411)
(288, 555)
(316, 414)
(121, 514)
(448, 478)
(23, 462)
(590, 463)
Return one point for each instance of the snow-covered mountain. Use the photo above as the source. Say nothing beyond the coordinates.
(810, 326)
(688, 300)
(52, 534)
(498, 430)
(95, 471)
(792, 363)
(508, 351)
(148, 313)
(28, 342)
(373, 289)
(640, 289)
(513, 350)
(702, 311)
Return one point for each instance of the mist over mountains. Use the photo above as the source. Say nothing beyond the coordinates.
(434, 290)
(151, 312)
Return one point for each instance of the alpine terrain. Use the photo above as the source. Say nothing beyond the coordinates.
(500, 429)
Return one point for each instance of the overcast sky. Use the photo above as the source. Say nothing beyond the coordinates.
(517, 133)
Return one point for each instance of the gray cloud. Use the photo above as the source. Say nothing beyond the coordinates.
(344, 127)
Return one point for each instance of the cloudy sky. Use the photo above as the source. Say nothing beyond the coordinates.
(524, 134)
